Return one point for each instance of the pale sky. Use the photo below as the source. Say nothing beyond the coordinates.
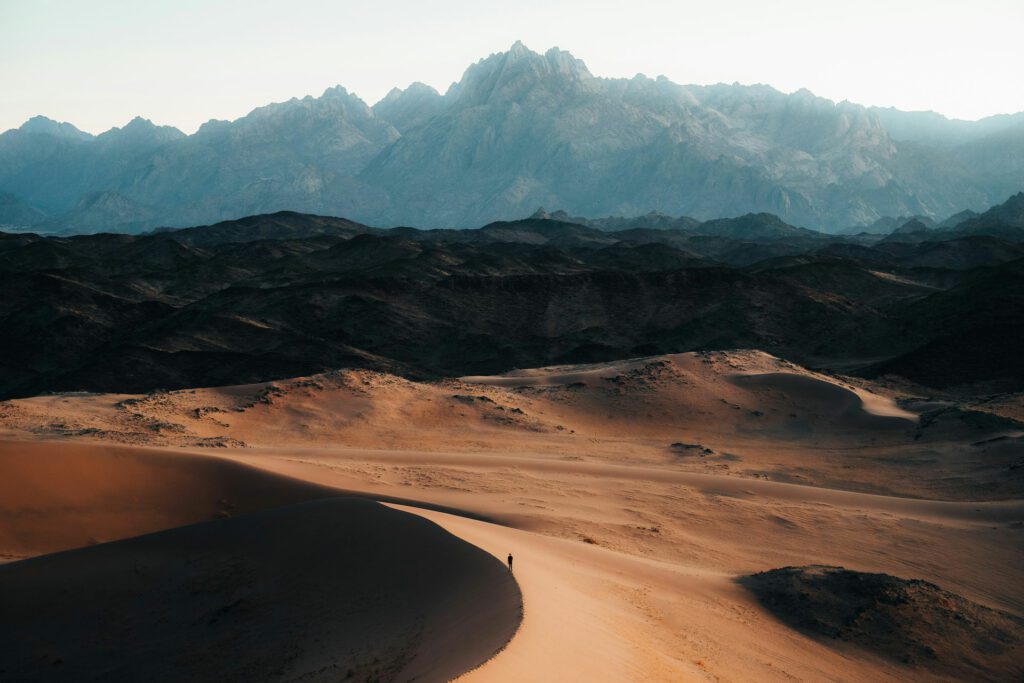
(98, 63)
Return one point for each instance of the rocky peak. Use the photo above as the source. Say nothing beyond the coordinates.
(1010, 212)
(141, 131)
(47, 126)
(405, 109)
(415, 91)
(512, 75)
(337, 92)
(958, 218)
(335, 110)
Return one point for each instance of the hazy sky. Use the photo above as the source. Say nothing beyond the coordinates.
(98, 63)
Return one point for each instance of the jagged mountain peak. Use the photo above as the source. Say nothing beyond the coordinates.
(336, 91)
(335, 106)
(406, 109)
(415, 89)
(1010, 212)
(141, 130)
(139, 122)
(512, 74)
(519, 50)
(335, 103)
(47, 126)
(520, 129)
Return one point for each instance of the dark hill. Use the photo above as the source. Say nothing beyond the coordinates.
(276, 226)
(288, 294)
(753, 226)
(912, 622)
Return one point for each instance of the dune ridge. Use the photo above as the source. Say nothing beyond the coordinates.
(293, 583)
(742, 413)
(60, 496)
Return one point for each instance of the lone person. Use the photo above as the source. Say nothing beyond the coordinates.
(510, 561)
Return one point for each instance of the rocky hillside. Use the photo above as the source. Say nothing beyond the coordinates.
(909, 621)
(291, 294)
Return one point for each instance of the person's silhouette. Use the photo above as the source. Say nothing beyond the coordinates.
(510, 561)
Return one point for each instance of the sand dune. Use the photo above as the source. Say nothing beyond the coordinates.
(598, 614)
(842, 406)
(334, 589)
(632, 494)
(741, 413)
(59, 496)
(628, 571)
(312, 587)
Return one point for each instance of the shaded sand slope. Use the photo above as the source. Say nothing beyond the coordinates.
(57, 496)
(838, 405)
(325, 590)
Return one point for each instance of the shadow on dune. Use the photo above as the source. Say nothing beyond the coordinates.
(329, 589)
(836, 405)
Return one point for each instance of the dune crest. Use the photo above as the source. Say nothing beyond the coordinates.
(741, 413)
(56, 497)
(255, 577)
(327, 590)
(845, 406)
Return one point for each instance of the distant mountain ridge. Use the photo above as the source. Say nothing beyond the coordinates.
(521, 130)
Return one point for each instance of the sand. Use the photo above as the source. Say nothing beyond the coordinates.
(632, 494)
(56, 496)
(312, 588)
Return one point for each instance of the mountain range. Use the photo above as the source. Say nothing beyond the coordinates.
(288, 294)
(519, 130)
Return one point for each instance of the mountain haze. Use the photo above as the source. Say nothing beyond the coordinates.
(521, 130)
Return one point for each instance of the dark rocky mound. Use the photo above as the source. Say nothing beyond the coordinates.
(906, 620)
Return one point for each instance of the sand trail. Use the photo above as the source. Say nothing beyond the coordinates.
(596, 615)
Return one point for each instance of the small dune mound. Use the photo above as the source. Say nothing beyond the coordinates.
(334, 589)
(906, 620)
(841, 406)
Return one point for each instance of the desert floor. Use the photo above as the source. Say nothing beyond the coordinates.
(633, 496)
